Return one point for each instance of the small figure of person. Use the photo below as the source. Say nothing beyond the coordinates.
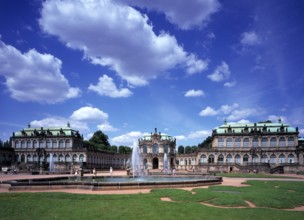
(111, 171)
(15, 171)
(94, 172)
(76, 172)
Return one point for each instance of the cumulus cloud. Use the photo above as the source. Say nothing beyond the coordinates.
(199, 134)
(33, 76)
(250, 38)
(89, 113)
(227, 109)
(106, 127)
(230, 84)
(180, 137)
(242, 113)
(208, 111)
(194, 93)
(106, 87)
(127, 139)
(115, 35)
(275, 118)
(184, 14)
(221, 73)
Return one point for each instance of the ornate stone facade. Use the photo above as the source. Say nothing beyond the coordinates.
(153, 148)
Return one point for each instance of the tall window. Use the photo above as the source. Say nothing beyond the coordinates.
(221, 142)
(220, 158)
(237, 142)
(61, 144)
(41, 144)
(67, 158)
(35, 144)
(54, 144)
(29, 144)
(75, 158)
(166, 149)
(264, 142)
(290, 141)
(255, 158)
(17, 144)
(245, 158)
(229, 142)
(273, 158)
(211, 158)
(282, 142)
(155, 149)
(145, 149)
(246, 142)
(237, 158)
(255, 142)
(229, 159)
(264, 158)
(48, 144)
(22, 144)
(282, 158)
(28, 158)
(273, 142)
(203, 159)
(67, 143)
(291, 158)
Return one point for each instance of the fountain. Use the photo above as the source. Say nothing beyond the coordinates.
(136, 162)
(166, 164)
(51, 166)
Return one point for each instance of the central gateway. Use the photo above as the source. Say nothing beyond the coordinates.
(153, 148)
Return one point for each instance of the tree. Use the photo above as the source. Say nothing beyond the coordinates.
(100, 140)
(181, 149)
(188, 150)
(124, 150)
(114, 149)
(193, 148)
(207, 143)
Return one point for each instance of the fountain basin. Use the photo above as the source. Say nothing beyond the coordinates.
(111, 183)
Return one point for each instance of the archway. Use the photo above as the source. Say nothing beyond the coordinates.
(145, 163)
(155, 163)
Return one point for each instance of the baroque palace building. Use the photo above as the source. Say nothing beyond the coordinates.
(64, 145)
(268, 147)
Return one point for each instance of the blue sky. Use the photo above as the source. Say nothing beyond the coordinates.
(127, 67)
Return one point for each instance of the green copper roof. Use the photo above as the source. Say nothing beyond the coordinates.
(51, 131)
(262, 127)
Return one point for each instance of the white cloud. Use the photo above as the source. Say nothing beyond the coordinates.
(106, 127)
(250, 38)
(221, 73)
(185, 14)
(127, 139)
(244, 121)
(60, 122)
(180, 137)
(106, 87)
(226, 109)
(117, 36)
(33, 76)
(275, 118)
(301, 131)
(194, 93)
(230, 84)
(243, 113)
(89, 113)
(208, 111)
(199, 134)
(211, 35)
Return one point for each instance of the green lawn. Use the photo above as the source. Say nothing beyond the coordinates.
(270, 197)
(252, 175)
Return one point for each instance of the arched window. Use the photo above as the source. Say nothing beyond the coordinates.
(220, 158)
(264, 158)
(246, 142)
(203, 158)
(273, 158)
(229, 142)
(41, 144)
(282, 158)
(211, 158)
(221, 142)
(55, 157)
(245, 158)
(60, 158)
(29, 144)
(35, 158)
(75, 158)
(166, 149)
(61, 144)
(48, 144)
(282, 142)
(22, 144)
(67, 158)
(145, 149)
(229, 159)
(290, 141)
(54, 144)
(273, 142)
(255, 142)
(29, 158)
(155, 149)
(264, 142)
(255, 158)
(291, 158)
(17, 144)
(237, 142)
(237, 158)
(35, 144)
(81, 158)
(67, 144)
